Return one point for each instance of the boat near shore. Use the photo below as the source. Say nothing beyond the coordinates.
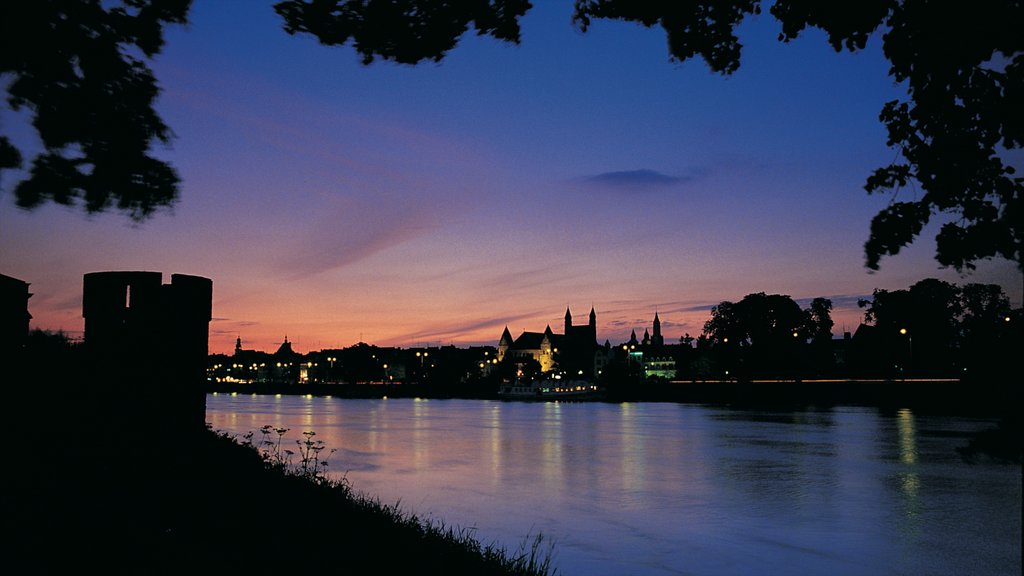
(549, 389)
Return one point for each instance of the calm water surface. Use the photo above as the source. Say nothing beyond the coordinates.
(653, 488)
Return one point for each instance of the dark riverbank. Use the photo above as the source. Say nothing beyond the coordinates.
(129, 509)
(97, 484)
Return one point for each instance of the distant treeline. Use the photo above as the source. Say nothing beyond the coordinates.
(932, 329)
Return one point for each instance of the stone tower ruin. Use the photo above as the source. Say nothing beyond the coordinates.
(147, 345)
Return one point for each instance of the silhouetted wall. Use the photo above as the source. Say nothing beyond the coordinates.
(14, 316)
(147, 344)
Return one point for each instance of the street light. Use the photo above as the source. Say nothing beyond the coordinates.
(910, 346)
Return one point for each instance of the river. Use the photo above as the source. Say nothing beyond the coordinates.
(662, 488)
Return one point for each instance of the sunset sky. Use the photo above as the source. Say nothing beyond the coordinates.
(334, 202)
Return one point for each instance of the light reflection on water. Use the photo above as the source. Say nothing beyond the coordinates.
(648, 488)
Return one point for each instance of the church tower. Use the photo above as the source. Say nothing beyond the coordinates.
(657, 339)
(568, 322)
(504, 343)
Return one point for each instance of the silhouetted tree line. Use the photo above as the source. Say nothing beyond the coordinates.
(50, 357)
(80, 70)
(938, 328)
(768, 333)
(932, 329)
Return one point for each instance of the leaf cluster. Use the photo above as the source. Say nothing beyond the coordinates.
(80, 70)
(404, 31)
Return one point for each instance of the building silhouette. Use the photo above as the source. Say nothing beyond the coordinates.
(574, 352)
(146, 345)
(14, 315)
(655, 358)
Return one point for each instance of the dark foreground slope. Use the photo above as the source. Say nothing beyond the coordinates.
(222, 510)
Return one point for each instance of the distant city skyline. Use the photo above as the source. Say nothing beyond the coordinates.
(403, 206)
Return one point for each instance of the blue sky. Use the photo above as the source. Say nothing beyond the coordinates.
(334, 202)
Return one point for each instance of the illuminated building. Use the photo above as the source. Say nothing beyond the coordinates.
(574, 352)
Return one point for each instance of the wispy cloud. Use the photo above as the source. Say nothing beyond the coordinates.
(525, 279)
(641, 180)
(353, 232)
(228, 326)
(460, 330)
(68, 303)
(237, 323)
(700, 307)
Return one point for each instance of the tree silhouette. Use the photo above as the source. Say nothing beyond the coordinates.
(922, 322)
(986, 329)
(767, 331)
(963, 68)
(80, 69)
(819, 323)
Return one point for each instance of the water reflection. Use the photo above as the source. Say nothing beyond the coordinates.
(908, 436)
(372, 428)
(908, 478)
(307, 413)
(665, 489)
(493, 422)
(551, 445)
(420, 428)
(629, 451)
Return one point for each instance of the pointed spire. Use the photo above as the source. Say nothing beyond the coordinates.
(506, 336)
(285, 349)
